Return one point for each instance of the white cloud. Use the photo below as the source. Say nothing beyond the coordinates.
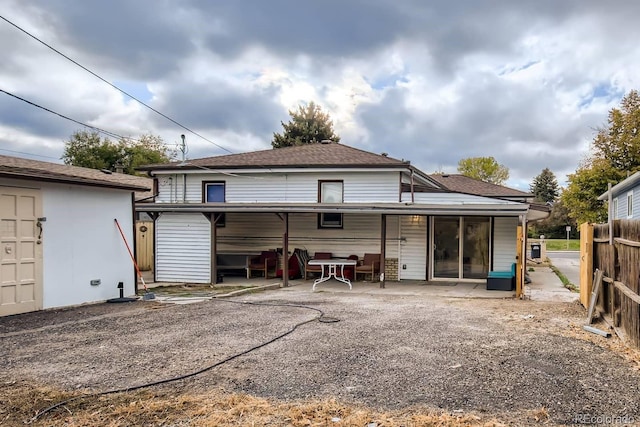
(525, 82)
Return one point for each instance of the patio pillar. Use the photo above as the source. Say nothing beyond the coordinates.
(383, 246)
(213, 220)
(285, 251)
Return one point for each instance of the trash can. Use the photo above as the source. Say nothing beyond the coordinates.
(535, 250)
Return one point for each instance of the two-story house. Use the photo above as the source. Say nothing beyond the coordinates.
(334, 198)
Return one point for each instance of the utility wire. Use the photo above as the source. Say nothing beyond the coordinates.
(320, 318)
(114, 86)
(28, 154)
(106, 132)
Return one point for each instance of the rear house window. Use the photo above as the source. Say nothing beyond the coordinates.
(213, 192)
(330, 192)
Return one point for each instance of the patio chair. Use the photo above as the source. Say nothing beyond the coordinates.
(370, 264)
(316, 268)
(350, 270)
(266, 261)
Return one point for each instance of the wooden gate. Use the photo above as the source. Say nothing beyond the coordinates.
(616, 253)
(586, 262)
(144, 245)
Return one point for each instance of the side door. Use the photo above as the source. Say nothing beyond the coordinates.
(20, 250)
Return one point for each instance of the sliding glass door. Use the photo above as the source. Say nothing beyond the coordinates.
(446, 245)
(461, 247)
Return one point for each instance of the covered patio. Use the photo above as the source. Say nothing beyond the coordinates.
(544, 286)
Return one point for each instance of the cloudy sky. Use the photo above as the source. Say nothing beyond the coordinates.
(433, 82)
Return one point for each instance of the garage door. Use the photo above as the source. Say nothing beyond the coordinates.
(20, 251)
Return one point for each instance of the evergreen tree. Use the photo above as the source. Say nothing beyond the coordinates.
(545, 186)
(308, 125)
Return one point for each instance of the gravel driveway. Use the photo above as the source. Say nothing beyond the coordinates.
(499, 357)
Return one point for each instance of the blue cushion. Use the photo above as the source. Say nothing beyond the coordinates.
(507, 274)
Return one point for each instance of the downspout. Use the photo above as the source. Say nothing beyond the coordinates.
(184, 187)
(383, 244)
(285, 252)
(523, 267)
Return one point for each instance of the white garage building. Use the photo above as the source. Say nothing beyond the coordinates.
(59, 243)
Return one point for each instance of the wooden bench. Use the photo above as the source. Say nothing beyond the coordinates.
(502, 280)
(234, 261)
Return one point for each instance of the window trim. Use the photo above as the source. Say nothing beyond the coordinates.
(204, 190)
(222, 217)
(614, 213)
(322, 223)
(630, 204)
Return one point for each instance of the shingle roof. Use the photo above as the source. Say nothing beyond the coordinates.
(322, 155)
(464, 184)
(18, 168)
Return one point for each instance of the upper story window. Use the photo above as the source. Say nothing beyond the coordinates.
(330, 192)
(213, 192)
(629, 204)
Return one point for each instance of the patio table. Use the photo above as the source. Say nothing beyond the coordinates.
(334, 266)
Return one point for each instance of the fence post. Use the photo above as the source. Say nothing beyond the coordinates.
(586, 262)
(521, 262)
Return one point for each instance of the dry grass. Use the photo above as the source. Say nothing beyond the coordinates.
(19, 403)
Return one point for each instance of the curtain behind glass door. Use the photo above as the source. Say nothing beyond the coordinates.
(475, 257)
(446, 242)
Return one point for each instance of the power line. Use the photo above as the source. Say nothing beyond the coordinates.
(106, 132)
(114, 86)
(28, 154)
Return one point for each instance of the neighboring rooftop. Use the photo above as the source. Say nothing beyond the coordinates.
(322, 155)
(463, 184)
(623, 185)
(19, 168)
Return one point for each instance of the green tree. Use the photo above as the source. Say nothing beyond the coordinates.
(485, 169)
(308, 125)
(616, 152)
(545, 186)
(88, 150)
(619, 141)
(589, 181)
(554, 227)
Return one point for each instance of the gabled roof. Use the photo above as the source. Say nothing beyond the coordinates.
(320, 155)
(35, 170)
(463, 184)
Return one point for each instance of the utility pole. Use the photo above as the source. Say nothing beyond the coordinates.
(183, 148)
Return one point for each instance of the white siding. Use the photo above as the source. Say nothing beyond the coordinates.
(183, 240)
(82, 243)
(454, 198)
(413, 251)
(256, 232)
(183, 249)
(283, 187)
(504, 243)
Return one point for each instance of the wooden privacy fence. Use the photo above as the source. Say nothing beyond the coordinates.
(617, 255)
(144, 245)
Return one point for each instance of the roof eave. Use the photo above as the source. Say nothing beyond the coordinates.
(61, 179)
(389, 208)
(268, 167)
